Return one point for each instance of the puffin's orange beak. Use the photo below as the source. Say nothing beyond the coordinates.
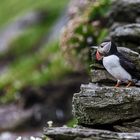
(98, 56)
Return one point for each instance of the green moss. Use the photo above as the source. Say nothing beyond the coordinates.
(45, 138)
(72, 123)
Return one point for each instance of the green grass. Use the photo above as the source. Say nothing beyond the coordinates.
(10, 9)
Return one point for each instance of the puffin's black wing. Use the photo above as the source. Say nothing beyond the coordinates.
(128, 66)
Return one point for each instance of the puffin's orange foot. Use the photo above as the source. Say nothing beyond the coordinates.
(129, 84)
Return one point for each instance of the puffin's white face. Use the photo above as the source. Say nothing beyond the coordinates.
(103, 49)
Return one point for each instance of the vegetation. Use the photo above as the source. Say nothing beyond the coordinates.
(34, 70)
(32, 65)
(88, 29)
(15, 8)
(35, 65)
(72, 123)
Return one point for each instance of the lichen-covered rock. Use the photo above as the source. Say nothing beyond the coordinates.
(101, 76)
(125, 10)
(127, 35)
(105, 105)
(65, 133)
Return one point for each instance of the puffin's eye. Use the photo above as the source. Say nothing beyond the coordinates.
(101, 46)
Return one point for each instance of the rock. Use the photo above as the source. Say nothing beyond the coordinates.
(125, 11)
(65, 133)
(21, 135)
(106, 105)
(101, 76)
(13, 117)
(130, 129)
(127, 35)
(135, 123)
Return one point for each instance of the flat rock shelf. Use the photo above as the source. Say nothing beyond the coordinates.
(65, 133)
(108, 107)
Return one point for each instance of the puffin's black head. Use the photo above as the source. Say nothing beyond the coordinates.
(105, 49)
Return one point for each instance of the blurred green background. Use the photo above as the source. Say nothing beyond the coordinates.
(30, 58)
(29, 61)
(44, 58)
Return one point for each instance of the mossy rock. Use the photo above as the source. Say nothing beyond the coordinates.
(105, 105)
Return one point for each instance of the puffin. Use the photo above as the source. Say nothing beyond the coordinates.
(120, 67)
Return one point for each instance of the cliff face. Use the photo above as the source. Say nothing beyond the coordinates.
(108, 107)
(125, 22)
(124, 30)
(99, 105)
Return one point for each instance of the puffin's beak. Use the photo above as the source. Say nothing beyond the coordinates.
(98, 56)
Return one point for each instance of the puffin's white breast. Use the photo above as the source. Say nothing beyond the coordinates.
(112, 65)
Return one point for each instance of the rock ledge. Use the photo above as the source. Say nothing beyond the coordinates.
(106, 105)
(65, 133)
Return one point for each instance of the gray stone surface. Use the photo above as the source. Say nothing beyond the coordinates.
(128, 35)
(65, 133)
(101, 76)
(125, 10)
(105, 105)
